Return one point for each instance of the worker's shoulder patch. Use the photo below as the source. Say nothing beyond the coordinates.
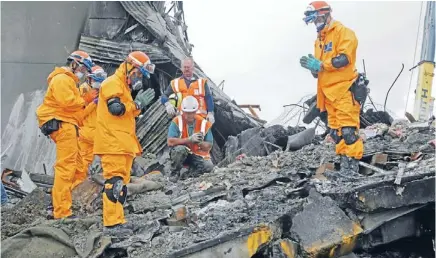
(328, 47)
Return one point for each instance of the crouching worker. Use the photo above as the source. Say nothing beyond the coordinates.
(191, 139)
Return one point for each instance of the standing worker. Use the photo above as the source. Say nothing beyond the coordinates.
(115, 138)
(59, 116)
(189, 85)
(191, 140)
(334, 66)
(87, 131)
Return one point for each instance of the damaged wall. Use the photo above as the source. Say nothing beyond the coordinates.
(34, 40)
(108, 31)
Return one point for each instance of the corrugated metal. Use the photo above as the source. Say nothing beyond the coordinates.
(226, 112)
(113, 52)
(151, 128)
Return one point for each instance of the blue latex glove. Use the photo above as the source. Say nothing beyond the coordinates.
(311, 63)
(95, 100)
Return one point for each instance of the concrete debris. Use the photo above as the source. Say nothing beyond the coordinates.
(251, 142)
(259, 206)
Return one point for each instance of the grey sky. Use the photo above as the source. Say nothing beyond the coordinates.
(255, 46)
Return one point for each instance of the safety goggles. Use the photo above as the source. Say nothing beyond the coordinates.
(98, 76)
(147, 69)
(310, 16)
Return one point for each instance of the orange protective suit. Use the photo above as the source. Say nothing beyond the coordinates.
(86, 136)
(62, 101)
(115, 139)
(333, 93)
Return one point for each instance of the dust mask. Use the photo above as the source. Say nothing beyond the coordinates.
(96, 85)
(80, 75)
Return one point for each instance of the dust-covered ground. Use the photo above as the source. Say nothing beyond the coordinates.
(249, 192)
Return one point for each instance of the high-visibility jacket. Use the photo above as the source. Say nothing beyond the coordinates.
(116, 134)
(333, 82)
(196, 89)
(62, 101)
(87, 131)
(201, 125)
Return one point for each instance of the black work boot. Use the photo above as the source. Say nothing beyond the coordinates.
(118, 231)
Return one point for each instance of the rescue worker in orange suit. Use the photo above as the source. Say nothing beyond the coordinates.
(115, 138)
(190, 138)
(189, 85)
(334, 66)
(59, 116)
(87, 131)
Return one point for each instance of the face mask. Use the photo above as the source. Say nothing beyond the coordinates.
(137, 83)
(319, 26)
(96, 85)
(80, 75)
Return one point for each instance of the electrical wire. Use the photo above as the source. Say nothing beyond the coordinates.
(414, 57)
(387, 94)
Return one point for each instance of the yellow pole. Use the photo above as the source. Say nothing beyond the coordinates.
(423, 98)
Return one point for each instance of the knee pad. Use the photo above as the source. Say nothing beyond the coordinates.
(334, 134)
(349, 134)
(115, 190)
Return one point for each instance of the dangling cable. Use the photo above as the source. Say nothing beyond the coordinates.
(387, 94)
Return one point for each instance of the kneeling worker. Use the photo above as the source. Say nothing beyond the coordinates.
(191, 139)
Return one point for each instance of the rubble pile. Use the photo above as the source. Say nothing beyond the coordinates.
(258, 141)
(285, 203)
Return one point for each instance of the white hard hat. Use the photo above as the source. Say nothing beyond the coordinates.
(189, 104)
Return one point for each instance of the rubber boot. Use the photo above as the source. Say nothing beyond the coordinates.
(118, 231)
(353, 165)
(349, 168)
(344, 165)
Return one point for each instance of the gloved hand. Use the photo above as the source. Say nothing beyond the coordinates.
(143, 98)
(210, 117)
(171, 111)
(95, 166)
(90, 96)
(95, 100)
(311, 63)
(196, 138)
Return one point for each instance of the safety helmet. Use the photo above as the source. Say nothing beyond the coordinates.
(97, 74)
(189, 104)
(81, 58)
(141, 61)
(175, 99)
(317, 9)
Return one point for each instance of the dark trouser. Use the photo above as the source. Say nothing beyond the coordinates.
(180, 156)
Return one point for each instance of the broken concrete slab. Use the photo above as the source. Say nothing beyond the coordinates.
(400, 227)
(419, 191)
(242, 243)
(324, 229)
(372, 221)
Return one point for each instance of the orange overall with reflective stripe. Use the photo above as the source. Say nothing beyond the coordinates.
(196, 89)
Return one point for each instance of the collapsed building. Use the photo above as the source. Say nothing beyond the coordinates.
(273, 193)
(285, 204)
